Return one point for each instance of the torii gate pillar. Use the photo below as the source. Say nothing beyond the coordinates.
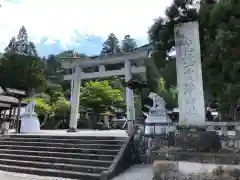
(75, 93)
(129, 96)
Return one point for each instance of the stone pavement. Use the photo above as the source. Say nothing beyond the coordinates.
(81, 132)
(18, 176)
(137, 172)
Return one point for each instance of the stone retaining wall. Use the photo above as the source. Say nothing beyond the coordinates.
(172, 170)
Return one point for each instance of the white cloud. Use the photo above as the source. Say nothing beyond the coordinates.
(58, 19)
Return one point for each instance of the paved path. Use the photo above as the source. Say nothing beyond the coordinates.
(81, 132)
(18, 176)
(137, 172)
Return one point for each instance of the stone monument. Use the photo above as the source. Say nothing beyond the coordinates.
(29, 120)
(189, 74)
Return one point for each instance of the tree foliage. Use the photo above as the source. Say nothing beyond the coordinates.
(170, 95)
(220, 47)
(55, 91)
(219, 37)
(61, 106)
(21, 44)
(98, 94)
(111, 45)
(42, 107)
(23, 69)
(128, 43)
(22, 72)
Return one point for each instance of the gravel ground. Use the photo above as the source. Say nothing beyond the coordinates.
(137, 172)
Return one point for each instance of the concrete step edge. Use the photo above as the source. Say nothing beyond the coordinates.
(55, 139)
(67, 137)
(47, 157)
(52, 152)
(56, 164)
(107, 150)
(67, 144)
(37, 171)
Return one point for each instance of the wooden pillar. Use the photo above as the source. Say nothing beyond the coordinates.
(1, 119)
(14, 116)
(10, 116)
(6, 123)
(18, 123)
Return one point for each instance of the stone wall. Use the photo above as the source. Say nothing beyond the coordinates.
(172, 170)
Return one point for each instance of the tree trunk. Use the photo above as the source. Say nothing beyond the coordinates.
(94, 119)
(231, 112)
(45, 120)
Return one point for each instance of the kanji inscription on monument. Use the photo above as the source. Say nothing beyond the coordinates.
(189, 74)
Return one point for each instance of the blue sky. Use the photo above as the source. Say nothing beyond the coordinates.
(57, 25)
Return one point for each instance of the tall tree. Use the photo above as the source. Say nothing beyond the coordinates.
(219, 37)
(21, 44)
(128, 43)
(52, 65)
(22, 72)
(22, 35)
(32, 51)
(220, 47)
(11, 48)
(111, 45)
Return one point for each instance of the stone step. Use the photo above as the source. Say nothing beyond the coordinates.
(80, 141)
(57, 166)
(55, 144)
(57, 149)
(69, 137)
(51, 172)
(58, 154)
(63, 160)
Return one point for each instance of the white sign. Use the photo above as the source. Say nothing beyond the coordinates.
(189, 74)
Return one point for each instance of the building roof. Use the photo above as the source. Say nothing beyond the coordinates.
(11, 97)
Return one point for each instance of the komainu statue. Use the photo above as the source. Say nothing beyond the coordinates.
(158, 102)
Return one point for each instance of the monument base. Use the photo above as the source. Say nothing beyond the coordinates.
(29, 123)
(72, 130)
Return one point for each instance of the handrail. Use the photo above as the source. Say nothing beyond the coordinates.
(123, 160)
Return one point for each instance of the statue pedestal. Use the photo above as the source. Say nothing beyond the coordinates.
(5, 127)
(157, 121)
(29, 123)
(160, 124)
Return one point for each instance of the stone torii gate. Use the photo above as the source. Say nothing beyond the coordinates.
(127, 58)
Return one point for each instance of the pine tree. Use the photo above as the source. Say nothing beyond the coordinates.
(32, 49)
(21, 45)
(111, 45)
(128, 43)
(11, 48)
(22, 34)
(22, 41)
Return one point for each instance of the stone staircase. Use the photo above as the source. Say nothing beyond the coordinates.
(81, 157)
